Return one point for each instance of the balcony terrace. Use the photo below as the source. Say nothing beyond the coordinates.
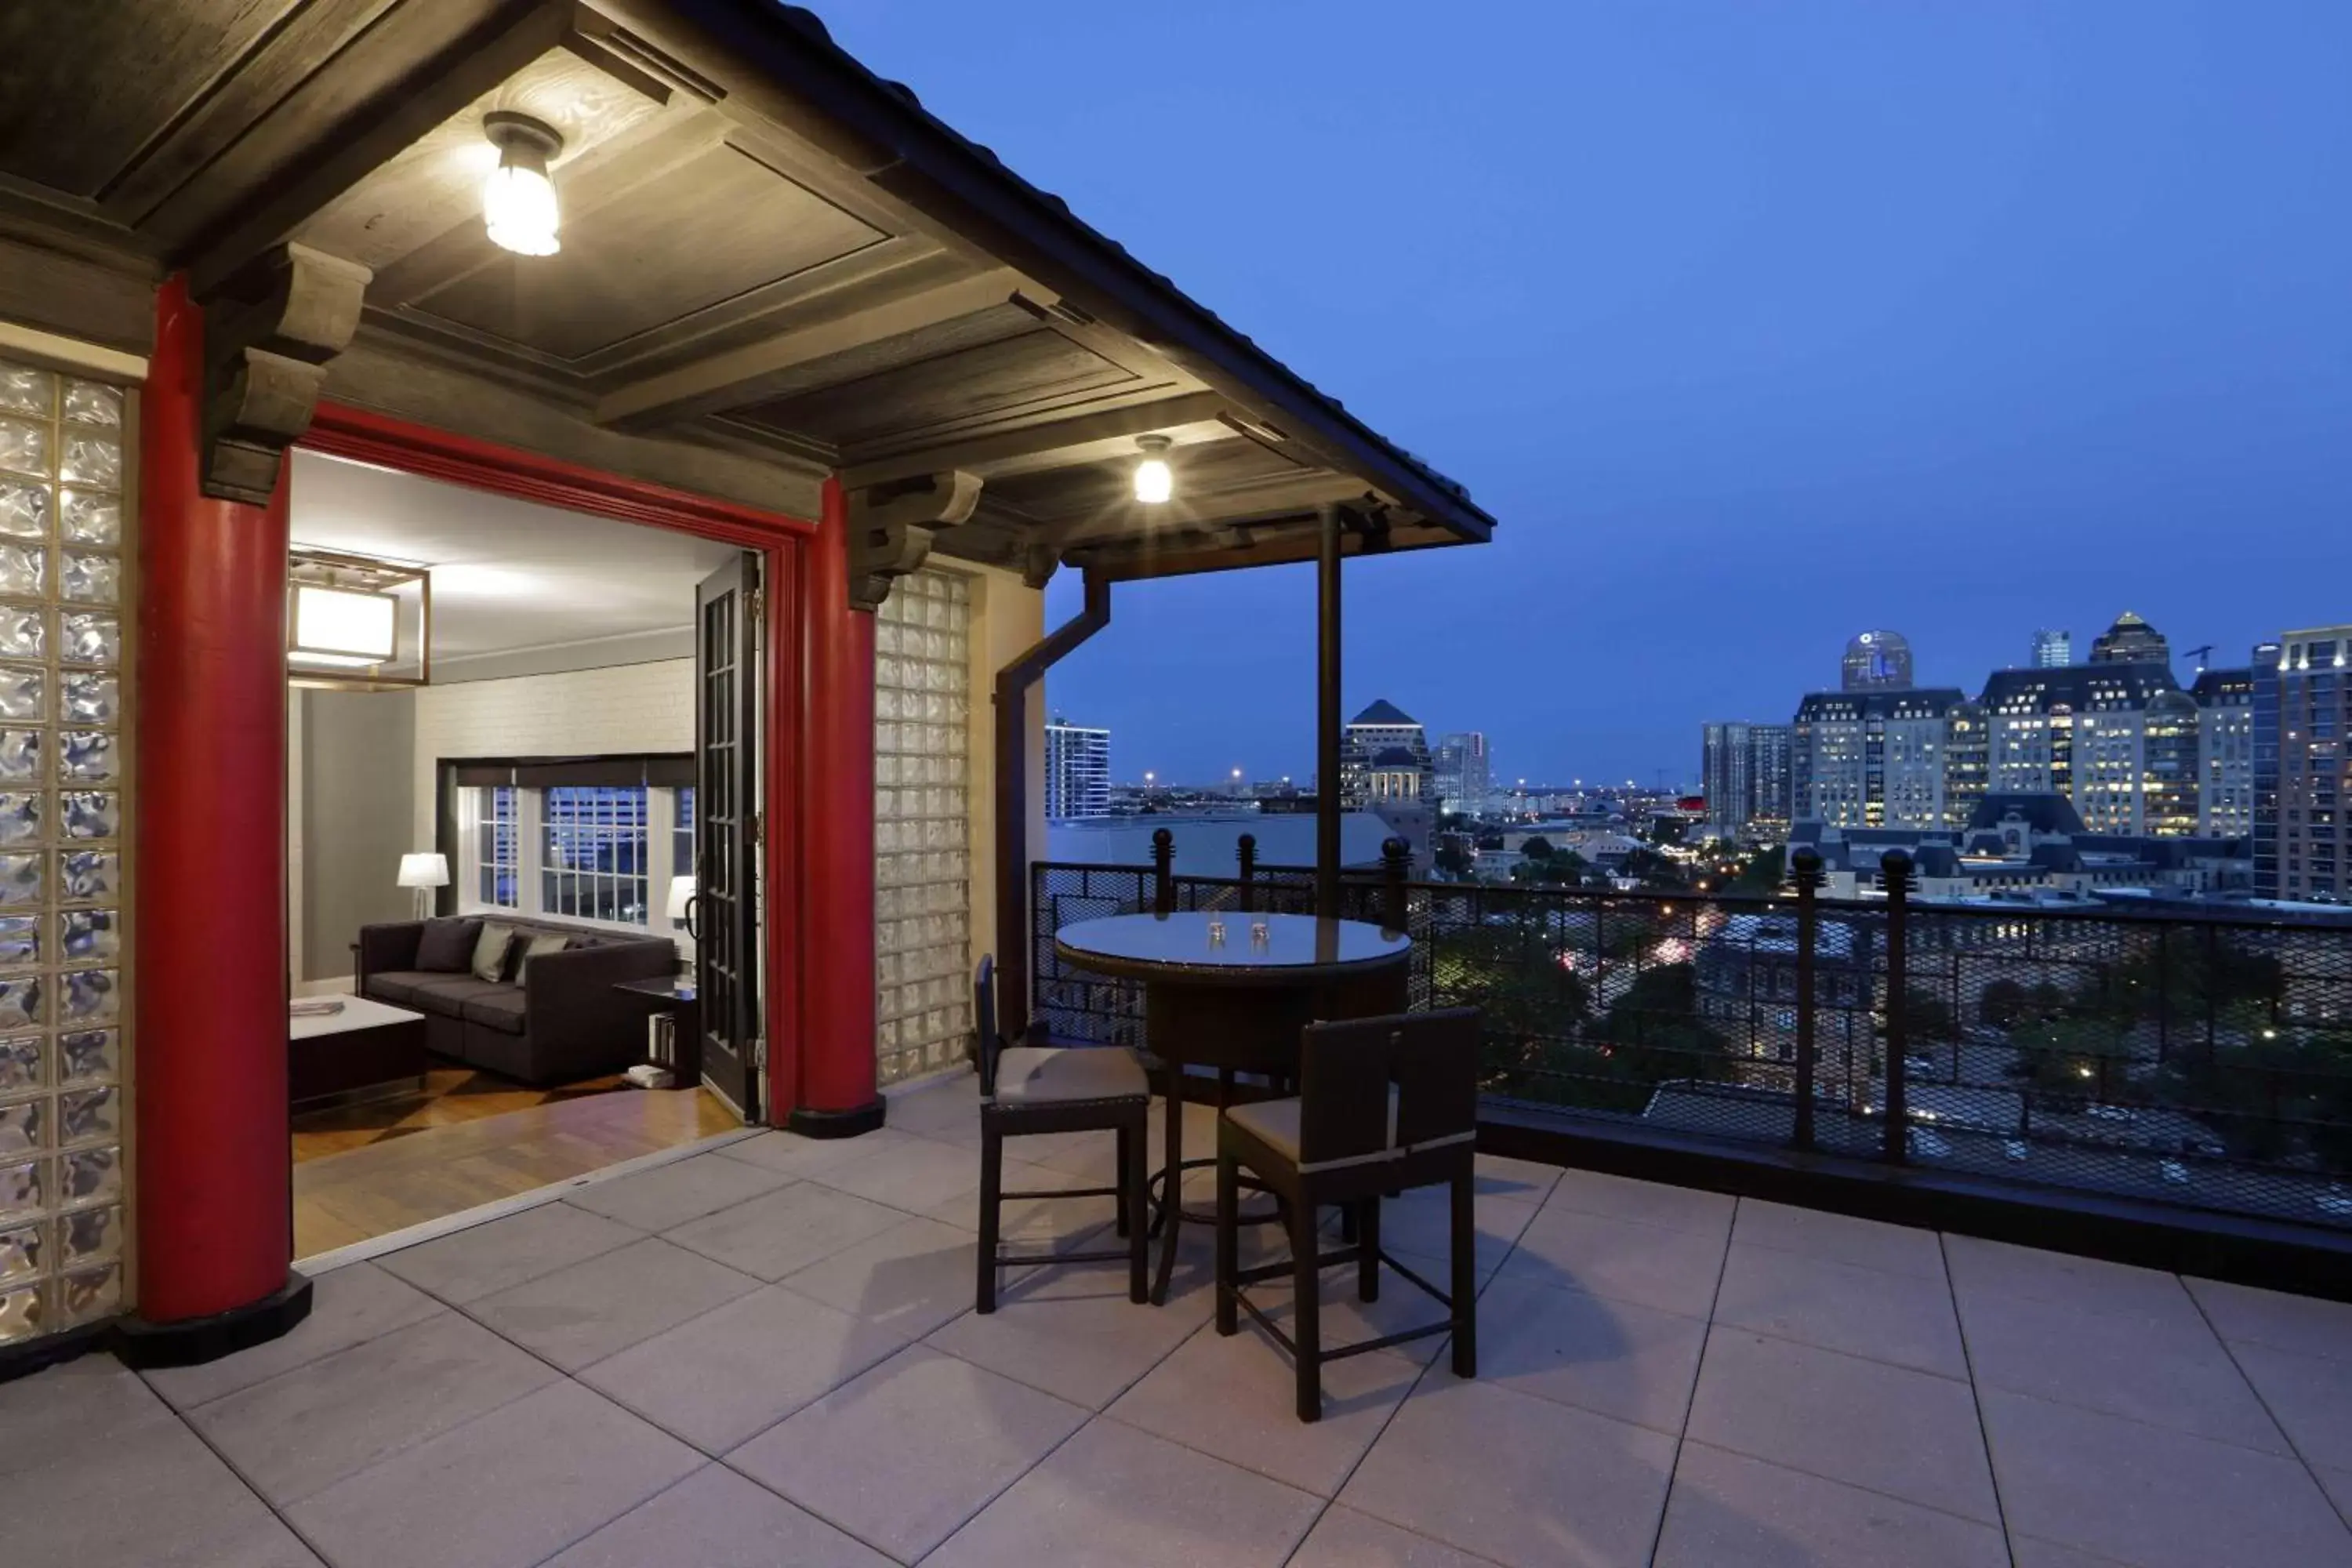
(764, 1352)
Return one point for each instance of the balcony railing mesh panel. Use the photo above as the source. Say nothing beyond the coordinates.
(2205, 1063)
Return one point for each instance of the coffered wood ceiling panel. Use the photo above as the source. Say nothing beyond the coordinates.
(132, 71)
(715, 227)
(1037, 369)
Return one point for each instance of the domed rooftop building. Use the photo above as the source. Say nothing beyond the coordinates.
(1874, 659)
(2130, 640)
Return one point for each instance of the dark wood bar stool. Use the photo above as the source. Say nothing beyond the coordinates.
(1058, 1089)
(1384, 1105)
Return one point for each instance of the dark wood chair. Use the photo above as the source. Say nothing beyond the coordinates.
(1384, 1105)
(1029, 1089)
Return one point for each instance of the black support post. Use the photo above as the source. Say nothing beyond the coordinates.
(1327, 716)
(1806, 868)
(1895, 871)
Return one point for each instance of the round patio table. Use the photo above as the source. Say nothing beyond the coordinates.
(1235, 1003)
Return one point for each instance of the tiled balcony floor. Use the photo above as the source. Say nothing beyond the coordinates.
(765, 1356)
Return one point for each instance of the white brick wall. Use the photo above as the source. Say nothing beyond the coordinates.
(583, 713)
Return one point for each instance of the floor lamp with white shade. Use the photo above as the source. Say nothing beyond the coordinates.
(425, 873)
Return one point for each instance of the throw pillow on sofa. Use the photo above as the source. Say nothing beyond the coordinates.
(448, 946)
(542, 943)
(490, 951)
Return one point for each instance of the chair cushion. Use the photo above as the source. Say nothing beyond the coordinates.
(1275, 1123)
(397, 984)
(1064, 1075)
(446, 947)
(501, 1010)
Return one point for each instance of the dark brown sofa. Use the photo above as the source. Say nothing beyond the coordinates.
(555, 1021)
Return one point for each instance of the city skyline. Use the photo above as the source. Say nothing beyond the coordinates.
(1963, 321)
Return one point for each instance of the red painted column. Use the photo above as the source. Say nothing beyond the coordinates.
(214, 1170)
(836, 1094)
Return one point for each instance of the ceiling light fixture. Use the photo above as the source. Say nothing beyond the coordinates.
(518, 199)
(356, 622)
(1154, 483)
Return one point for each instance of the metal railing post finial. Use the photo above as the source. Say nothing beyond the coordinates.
(1894, 871)
(1163, 872)
(1805, 869)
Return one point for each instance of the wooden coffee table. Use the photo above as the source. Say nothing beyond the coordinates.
(369, 1047)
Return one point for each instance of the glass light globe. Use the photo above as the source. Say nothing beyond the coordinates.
(1153, 482)
(519, 208)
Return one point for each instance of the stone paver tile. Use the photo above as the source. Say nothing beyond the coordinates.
(309, 1427)
(504, 1491)
(911, 1278)
(348, 1306)
(488, 1258)
(2152, 1497)
(1072, 1332)
(716, 1519)
(2337, 1484)
(718, 1380)
(936, 1105)
(1861, 1311)
(1123, 1498)
(1343, 1538)
(578, 1316)
(2310, 1396)
(1842, 1238)
(790, 1155)
(1092, 1156)
(2025, 1552)
(1730, 1509)
(2163, 1368)
(671, 1195)
(2092, 1284)
(1570, 1249)
(912, 1177)
(1621, 1359)
(1518, 1479)
(2303, 1324)
(1236, 1398)
(902, 1455)
(1528, 1181)
(1420, 1222)
(1645, 1203)
(65, 1414)
(1060, 1225)
(1910, 1435)
(785, 1231)
(96, 1472)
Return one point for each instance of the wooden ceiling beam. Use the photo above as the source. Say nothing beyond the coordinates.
(1050, 444)
(733, 379)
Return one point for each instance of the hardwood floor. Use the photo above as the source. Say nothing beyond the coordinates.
(363, 1193)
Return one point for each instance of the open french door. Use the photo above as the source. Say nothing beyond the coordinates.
(727, 745)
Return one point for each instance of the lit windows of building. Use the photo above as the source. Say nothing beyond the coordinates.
(1077, 771)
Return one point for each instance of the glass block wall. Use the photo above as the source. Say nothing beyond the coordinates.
(922, 824)
(62, 773)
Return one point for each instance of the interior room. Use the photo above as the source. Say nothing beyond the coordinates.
(491, 717)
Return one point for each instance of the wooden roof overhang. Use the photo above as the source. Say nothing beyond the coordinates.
(775, 266)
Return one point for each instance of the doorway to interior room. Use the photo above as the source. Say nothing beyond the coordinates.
(528, 787)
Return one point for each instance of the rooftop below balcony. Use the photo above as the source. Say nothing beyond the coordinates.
(765, 1351)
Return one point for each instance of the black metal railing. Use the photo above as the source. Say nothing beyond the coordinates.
(2198, 1062)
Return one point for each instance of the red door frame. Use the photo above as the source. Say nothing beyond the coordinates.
(782, 541)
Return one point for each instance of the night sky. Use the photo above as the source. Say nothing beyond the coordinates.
(1755, 325)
